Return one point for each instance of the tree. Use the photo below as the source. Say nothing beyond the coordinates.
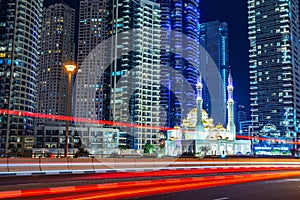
(149, 148)
(82, 152)
(204, 149)
(122, 148)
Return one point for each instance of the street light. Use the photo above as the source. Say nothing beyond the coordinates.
(70, 68)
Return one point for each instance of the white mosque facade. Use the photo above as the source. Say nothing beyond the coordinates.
(198, 134)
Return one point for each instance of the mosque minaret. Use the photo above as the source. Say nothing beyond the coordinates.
(199, 100)
(230, 106)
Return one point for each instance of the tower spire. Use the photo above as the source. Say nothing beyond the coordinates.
(230, 86)
(230, 106)
(199, 100)
(199, 87)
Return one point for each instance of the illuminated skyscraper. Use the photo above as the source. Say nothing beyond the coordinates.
(120, 81)
(19, 48)
(88, 101)
(135, 72)
(214, 39)
(181, 16)
(57, 48)
(274, 65)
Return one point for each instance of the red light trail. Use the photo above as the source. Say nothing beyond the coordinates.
(119, 124)
(131, 189)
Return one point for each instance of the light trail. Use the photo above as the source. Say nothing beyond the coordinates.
(119, 124)
(156, 188)
(144, 188)
(169, 173)
(77, 119)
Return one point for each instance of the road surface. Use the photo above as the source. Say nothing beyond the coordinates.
(178, 184)
(282, 189)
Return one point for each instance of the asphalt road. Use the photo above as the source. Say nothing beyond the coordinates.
(282, 189)
(287, 188)
(48, 181)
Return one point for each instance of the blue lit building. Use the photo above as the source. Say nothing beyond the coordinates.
(214, 39)
(182, 16)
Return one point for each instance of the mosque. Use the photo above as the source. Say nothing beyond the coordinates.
(198, 135)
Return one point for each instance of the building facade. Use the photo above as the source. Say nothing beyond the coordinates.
(180, 58)
(119, 62)
(245, 127)
(89, 82)
(273, 143)
(241, 115)
(57, 48)
(95, 138)
(273, 29)
(20, 25)
(214, 39)
(134, 74)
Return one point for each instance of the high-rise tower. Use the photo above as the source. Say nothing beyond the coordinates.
(214, 39)
(57, 49)
(19, 48)
(274, 65)
(89, 82)
(180, 16)
(135, 72)
(119, 65)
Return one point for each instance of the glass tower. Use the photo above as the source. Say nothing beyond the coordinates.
(181, 16)
(274, 65)
(19, 48)
(214, 39)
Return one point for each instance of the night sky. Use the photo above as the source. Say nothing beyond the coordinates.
(234, 12)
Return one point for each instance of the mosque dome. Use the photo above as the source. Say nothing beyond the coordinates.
(191, 120)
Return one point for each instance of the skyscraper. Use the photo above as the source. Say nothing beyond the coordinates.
(57, 48)
(19, 48)
(119, 62)
(214, 39)
(178, 54)
(89, 82)
(135, 72)
(274, 65)
(241, 115)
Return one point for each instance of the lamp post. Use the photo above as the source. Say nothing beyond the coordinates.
(70, 68)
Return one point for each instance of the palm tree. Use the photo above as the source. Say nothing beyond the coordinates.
(82, 152)
(205, 149)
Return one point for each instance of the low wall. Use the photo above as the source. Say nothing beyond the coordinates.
(93, 164)
(23, 164)
(53, 164)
